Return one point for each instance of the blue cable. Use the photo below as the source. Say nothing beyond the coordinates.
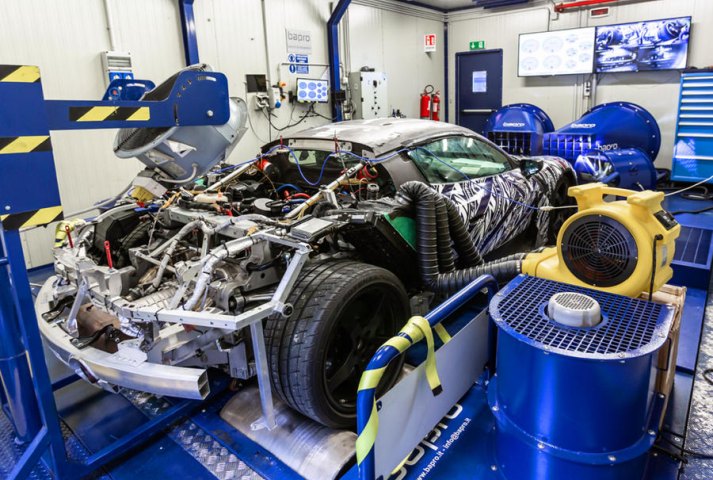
(369, 161)
(289, 185)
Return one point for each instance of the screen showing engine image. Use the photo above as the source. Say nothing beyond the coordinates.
(562, 52)
(640, 46)
(312, 90)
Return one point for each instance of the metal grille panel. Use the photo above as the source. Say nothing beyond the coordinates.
(515, 143)
(630, 324)
(693, 245)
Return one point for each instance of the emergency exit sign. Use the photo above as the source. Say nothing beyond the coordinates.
(477, 45)
(429, 42)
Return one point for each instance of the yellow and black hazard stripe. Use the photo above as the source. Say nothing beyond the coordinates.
(109, 114)
(33, 218)
(19, 73)
(25, 144)
(418, 328)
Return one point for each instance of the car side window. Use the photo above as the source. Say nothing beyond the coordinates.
(455, 159)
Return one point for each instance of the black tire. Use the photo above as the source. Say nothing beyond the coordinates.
(558, 198)
(308, 349)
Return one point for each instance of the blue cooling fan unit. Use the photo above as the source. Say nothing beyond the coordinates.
(575, 402)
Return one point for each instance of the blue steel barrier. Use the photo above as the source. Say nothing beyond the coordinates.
(367, 417)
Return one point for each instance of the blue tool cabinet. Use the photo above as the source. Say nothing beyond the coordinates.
(693, 145)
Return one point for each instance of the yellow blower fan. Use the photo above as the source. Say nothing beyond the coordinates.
(623, 246)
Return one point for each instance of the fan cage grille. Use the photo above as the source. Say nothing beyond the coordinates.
(630, 323)
(599, 251)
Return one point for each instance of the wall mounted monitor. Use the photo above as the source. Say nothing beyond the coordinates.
(312, 90)
(642, 46)
(560, 52)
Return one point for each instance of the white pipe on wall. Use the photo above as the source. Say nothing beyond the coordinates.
(110, 25)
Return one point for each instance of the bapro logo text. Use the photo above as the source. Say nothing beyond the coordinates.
(513, 124)
(298, 37)
(584, 125)
(611, 146)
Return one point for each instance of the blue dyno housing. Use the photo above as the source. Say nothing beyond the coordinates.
(625, 168)
(611, 126)
(575, 402)
(519, 128)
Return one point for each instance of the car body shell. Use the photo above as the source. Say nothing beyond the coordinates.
(496, 208)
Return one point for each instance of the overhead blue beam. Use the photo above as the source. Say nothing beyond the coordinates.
(333, 46)
(188, 29)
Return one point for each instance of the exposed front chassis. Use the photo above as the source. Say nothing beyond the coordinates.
(178, 331)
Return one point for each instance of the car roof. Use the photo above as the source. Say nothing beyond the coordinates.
(382, 135)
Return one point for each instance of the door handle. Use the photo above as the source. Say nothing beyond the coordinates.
(477, 110)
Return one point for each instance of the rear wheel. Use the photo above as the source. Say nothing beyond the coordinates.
(343, 312)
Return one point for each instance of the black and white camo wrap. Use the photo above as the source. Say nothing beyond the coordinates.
(498, 208)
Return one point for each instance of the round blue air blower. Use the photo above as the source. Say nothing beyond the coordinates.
(518, 128)
(572, 397)
(628, 168)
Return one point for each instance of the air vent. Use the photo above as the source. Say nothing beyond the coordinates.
(599, 251)
(628, 324)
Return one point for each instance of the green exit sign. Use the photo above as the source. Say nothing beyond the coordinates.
(477, 45)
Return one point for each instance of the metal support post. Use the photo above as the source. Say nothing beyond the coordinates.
(333, 44)
(188, 29)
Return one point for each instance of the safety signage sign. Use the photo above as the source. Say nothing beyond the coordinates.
(429, 42)
(298, 63)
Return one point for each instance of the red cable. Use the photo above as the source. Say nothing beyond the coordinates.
(299, 195)
(69, 236)
(107, 249)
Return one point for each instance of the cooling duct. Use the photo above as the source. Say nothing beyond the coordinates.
(610, 126)
(519, 128)
(625, 168)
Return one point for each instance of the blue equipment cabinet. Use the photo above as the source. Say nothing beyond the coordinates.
(29, 196)
(693, 149)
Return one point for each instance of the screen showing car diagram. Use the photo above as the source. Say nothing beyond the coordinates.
(562, 52)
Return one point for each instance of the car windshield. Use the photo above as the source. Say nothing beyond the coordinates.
(455, 159)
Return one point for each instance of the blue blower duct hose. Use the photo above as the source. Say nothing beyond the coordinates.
(519, 128)
(626, 168)
(611, 126)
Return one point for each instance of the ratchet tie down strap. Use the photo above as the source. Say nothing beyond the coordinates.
(415, 330)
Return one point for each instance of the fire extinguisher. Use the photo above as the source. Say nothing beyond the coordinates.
(436, 106)
(426, 102)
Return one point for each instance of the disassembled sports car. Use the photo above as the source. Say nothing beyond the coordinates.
(329, 240)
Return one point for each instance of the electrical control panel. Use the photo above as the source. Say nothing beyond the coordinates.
(369, 94)
(117, 66)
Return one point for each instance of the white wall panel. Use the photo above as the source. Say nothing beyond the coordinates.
(393, 43)
(561, 97)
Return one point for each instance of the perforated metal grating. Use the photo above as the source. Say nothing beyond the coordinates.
(629, 325)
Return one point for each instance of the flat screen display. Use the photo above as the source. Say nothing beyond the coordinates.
(312, 90)
(642, 46)
(561, 52)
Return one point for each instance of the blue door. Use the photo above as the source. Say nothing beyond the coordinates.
(479, 87)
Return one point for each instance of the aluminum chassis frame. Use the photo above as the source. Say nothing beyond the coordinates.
(174, 380)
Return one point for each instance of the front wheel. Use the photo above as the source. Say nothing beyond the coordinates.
(343, 312)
